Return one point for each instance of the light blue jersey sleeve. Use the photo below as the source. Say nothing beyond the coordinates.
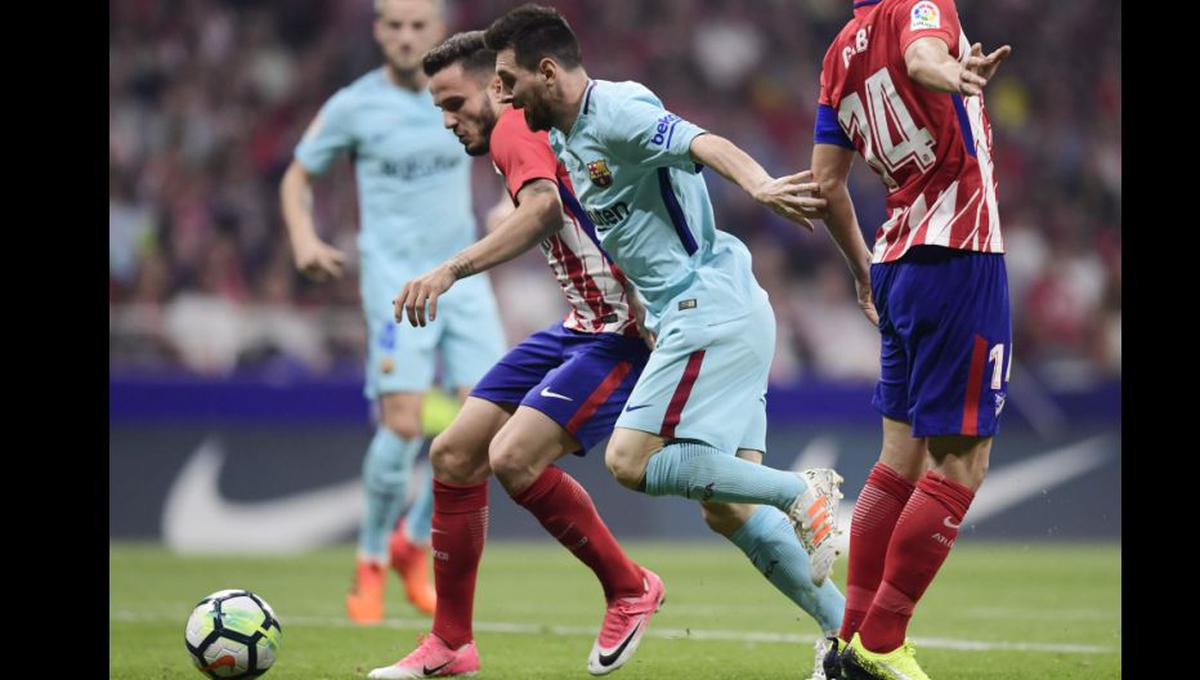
(645, 132)
(329, 134)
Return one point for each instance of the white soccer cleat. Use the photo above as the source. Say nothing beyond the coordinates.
(814, 515)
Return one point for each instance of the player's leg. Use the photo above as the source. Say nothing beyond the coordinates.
(570, 411)
(924, 536)
(901, 461)
(399, 369)
(685, 420)
(888, 488)
(459, 527)
(960, 301)
(766, 536)
(387, 468)
(459, 457)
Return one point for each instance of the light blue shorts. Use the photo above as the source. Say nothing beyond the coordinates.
(707, 382)
(467, 334)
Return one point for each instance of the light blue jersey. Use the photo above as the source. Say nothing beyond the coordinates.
(414, 179)
(632, 172)
(414, 198)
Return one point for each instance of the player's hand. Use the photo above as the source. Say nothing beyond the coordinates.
(794, 197)
(862, 288)
(423, 290)
(978, 69)
(318, 260)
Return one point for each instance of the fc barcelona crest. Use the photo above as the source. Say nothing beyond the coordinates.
(598, 170)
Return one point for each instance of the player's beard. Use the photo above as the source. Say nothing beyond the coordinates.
(537, 117)
(487, 123)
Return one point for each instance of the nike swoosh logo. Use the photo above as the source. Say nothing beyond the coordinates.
(609, 659)
(1004, 489)
(430, 671)
(294, 523)
(554, 395)
(634, 408)
(950, 524)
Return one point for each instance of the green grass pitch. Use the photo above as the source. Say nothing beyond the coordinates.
(996, 611)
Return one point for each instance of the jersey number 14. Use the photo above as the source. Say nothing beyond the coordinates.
(883, 154)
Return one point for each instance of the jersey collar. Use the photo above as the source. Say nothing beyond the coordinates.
(584, 108)
(862, 5)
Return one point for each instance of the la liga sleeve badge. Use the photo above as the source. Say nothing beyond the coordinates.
(925, 15)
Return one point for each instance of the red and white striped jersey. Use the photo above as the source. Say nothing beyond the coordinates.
(591, 282)
(932, 150)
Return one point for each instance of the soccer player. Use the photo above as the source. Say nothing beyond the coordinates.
(695, 422)
(415, 210)
(556, 393)
(901, 85)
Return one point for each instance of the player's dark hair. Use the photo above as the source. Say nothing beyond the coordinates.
(534, 33)
(466, 48)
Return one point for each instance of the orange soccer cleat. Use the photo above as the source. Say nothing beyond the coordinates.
(411, 562)
(364, 603)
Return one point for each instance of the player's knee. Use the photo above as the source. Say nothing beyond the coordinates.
(627, 468)
(455, 460)
(384, 471)
(404, 424)
(511, 462)
(723, 518)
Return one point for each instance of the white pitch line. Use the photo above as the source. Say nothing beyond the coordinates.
(664, 633)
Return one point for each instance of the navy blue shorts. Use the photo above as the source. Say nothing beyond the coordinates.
(580, 380)
(946, 350)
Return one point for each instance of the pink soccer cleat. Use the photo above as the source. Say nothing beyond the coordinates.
(624, 624)
(432, 659)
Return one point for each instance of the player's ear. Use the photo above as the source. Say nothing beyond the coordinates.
(548, 69)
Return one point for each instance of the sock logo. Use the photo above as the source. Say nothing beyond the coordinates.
(950, 524)
(441, 555)
(948, 542)
(770, 568)
(708, 491)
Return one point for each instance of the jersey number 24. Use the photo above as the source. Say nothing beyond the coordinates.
(884, 154)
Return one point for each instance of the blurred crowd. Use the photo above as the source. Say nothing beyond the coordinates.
(207, 99)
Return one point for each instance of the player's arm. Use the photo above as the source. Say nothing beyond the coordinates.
(314, 257)
(831, 168)
(930, 64)
(329, 134)
(790, 196)
(538, 215)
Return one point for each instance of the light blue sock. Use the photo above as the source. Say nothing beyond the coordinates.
(770, 542)
(418, 521)
(698, 471)
(385, 476)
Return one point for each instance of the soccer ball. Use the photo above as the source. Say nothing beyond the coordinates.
(233, 634)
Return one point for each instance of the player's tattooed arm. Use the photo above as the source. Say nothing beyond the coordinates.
(930, 64)
(831, 167)
(792, 196)
(537, 215)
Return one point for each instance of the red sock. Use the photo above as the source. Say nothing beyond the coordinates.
(460, 517)
(565, 509)
(922, 540)
(875, 514)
